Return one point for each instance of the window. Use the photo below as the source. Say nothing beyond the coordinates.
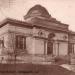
(1, 42)
(71, 48)
(20, 42)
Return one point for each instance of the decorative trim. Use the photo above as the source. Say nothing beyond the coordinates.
(39, 37)
(61, 40)
(51, 29)
(24, 24)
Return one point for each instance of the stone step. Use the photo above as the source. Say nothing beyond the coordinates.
(36, 59)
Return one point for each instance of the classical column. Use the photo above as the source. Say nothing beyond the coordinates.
(73, 48)
(45, 47)
(58, 49)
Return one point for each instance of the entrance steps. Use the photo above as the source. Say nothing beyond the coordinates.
(36, 59)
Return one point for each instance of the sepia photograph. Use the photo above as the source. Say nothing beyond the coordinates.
(37, 37)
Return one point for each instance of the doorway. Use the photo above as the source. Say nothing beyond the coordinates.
(49, 48)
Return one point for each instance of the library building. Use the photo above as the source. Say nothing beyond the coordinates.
(39, 38)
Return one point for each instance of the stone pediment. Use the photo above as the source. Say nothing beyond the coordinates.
(47, 24)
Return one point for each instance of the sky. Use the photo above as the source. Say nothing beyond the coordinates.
(62, 10)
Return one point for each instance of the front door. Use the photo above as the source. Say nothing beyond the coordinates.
(49, 48)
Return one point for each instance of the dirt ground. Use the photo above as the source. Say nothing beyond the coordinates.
(33, 69)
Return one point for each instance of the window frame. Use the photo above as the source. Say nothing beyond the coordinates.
(19, 41)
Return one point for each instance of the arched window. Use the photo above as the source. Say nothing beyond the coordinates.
(50, 36)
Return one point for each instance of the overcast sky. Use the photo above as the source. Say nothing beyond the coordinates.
(62, 10)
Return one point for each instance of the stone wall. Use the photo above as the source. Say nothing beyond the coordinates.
(60, 38)
(4, 35)
(36, 45)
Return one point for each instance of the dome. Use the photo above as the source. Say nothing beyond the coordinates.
(37, 11)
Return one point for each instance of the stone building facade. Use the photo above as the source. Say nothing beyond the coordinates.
(40, 37)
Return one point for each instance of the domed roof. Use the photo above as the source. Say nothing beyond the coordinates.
(37, 10)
